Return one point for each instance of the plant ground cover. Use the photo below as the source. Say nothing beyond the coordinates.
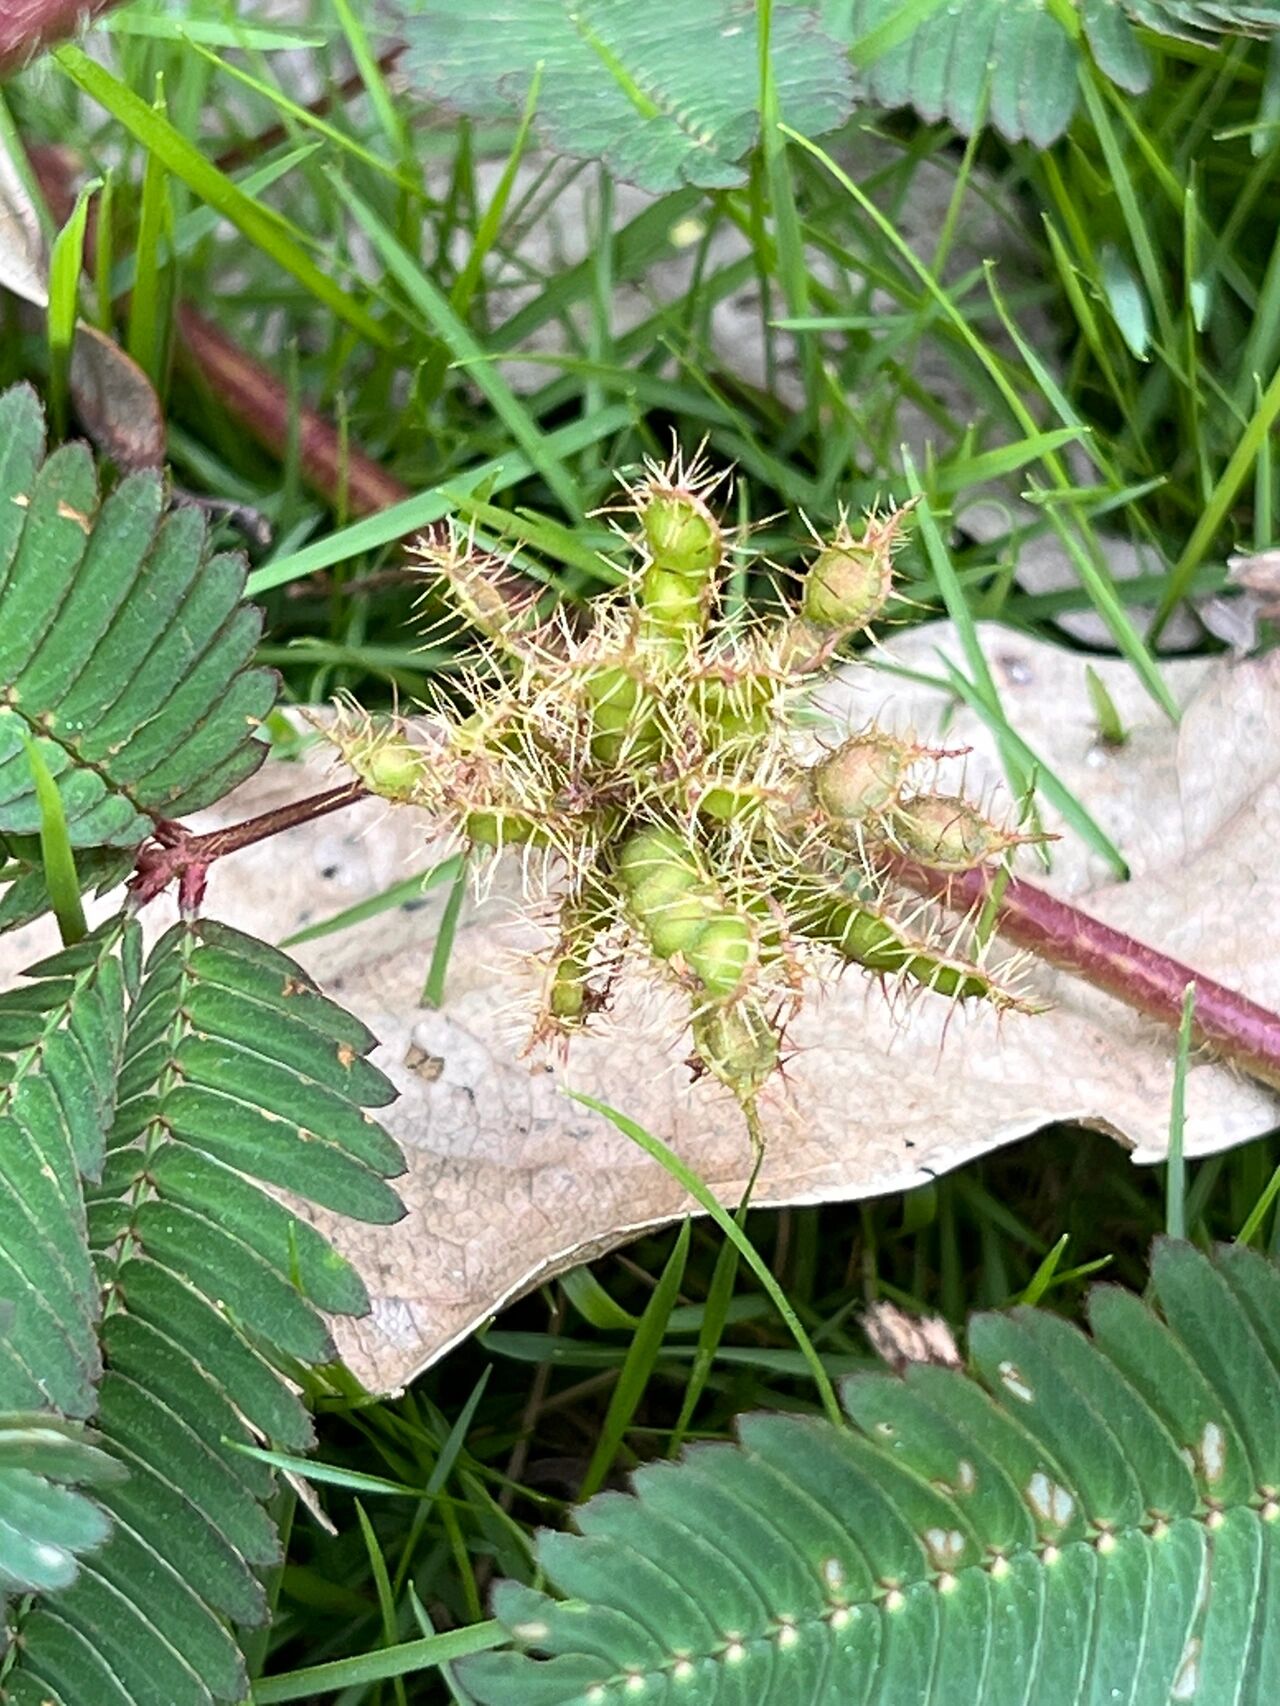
(495, 329)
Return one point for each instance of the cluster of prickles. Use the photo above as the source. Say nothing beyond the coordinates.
(646, 765)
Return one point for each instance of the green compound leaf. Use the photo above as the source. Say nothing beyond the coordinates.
(237, 1078)
(1072, 1520)
(1015, 64)
(664, 95)
(124, 646)
(1206, 20)
(45, 1524)
(61, 1042)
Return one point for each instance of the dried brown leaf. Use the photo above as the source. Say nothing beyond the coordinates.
(511, 1182)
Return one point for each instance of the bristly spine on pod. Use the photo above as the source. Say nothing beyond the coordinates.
(648, 756)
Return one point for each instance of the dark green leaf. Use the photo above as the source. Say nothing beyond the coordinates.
(664, 98)
(124, 647)
(63, 1032)
(1017, 62)
(1099, 1524)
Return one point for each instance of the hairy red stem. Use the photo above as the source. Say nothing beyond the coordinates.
(175, 852)
(1141, 977)
(27, 27)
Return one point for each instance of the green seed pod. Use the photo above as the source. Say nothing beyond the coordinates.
(725, 801)
(861, 778)
(661, 887)
(868, 939)
(681, 912)
(656, 853)
(567, 998)
(674, 926)
(388, 764)
(685, 547)
(681, 533)
(734, 711)
(674, 606)
(666, 892)
(622, 716)
(846, 588)
(849, 582)
(489, 592)
(502, 826)
(946, 833)
(574, 727)
(722, 955)
(394, 771)
(738, 1045)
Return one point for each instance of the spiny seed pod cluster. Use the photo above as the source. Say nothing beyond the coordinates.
(646, 763)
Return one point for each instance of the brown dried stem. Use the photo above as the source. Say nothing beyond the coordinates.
(1142, 977)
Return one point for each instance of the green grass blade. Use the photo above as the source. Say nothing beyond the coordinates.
(147, 333)
(432, 304)
(1021, 761)
(442, 953)
(489, 225)
(305, 119)
(402, 520)
(408, 889)
(702, 1194)
(66, 258)
(715, 1318)
(391, 120)
(1042, 1279)
(60, 876)
(407, 1659)
(952, 593)
(1106, 601)
(900, 25)
(104, 253)
(638, 1366)
(1252, 1224)
(1248, 449)
(1008, 459)
(1111, 731)
(386, 1598)
(188, 232)
(265, 230)
(594, 1303)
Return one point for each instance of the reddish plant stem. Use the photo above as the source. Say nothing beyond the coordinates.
(175, 852)
(27, 27)
(1141, 977)
(262, 404)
